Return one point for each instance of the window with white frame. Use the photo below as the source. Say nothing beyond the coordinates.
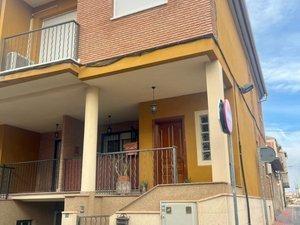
(202, 137)
(126, 7)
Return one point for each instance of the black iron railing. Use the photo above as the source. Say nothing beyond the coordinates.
(41, 46)
(34, 176)
(5, 179)
(72, 174)
(117, 173)
(128, 171)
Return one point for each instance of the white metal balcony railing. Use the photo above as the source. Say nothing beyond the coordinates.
(127, 171)
(41, 46)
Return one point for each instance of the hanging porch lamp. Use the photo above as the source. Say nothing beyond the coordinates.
(109, 129)
(153, 106)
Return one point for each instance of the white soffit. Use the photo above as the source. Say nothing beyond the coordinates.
(36, 3)
(121, 93)
(39, 104)
(37, 86)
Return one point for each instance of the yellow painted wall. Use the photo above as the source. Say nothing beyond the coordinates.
(16, 17)
(179, 106)
(18, 145)
(232, 49)
(229, 94)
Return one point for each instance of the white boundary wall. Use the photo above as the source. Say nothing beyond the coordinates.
(220, 210)
(211, 211)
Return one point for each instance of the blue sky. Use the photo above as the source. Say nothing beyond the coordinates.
(276, 27)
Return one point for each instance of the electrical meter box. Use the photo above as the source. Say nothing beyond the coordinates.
(173, 213)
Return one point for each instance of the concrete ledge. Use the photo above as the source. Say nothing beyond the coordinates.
(28, 74)
(35, 197)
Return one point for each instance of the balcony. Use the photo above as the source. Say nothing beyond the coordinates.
(40, 47)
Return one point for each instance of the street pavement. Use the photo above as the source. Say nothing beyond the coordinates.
(290, 216)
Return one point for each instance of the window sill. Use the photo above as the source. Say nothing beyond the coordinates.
(205, 163)
(137, 11)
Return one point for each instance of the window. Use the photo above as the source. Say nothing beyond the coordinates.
(202, 138)
(24, 222)
(126, 7)
(114, 142)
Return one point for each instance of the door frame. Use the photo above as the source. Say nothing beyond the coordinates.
(170, 119)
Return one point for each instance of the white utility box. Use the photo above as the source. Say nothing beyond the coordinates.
(179, 213)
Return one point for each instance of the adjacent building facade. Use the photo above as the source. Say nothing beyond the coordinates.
(278, 175)
(112, 107)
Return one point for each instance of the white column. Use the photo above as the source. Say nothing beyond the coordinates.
(89, 157)
(218, 140)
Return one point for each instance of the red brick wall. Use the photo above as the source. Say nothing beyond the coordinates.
(72, 137)
(72, 144)
(103, 38)
(47, 146)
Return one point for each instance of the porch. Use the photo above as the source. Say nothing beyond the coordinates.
(106, 138)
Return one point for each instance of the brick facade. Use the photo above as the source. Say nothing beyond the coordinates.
(102, 37)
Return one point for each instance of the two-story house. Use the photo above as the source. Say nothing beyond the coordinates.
(112, 106)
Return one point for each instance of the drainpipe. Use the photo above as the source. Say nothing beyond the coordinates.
(241, 159)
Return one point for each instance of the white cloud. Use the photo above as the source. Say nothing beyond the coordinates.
(282, 74)
(281, 61)
(266, 13)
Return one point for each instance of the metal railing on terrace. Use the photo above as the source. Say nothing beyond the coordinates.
(5, 179)
(121, 173)
(42, 46)
(45, 176)
(34, 176)
(72, 174)
(128, 171)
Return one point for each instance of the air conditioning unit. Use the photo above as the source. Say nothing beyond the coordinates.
(179, 213)
(15, 60)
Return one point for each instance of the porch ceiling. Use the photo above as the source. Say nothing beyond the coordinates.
(40, 104)
(121, 93)
(35, 3)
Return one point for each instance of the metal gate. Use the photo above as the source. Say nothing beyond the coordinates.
(93, 220)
